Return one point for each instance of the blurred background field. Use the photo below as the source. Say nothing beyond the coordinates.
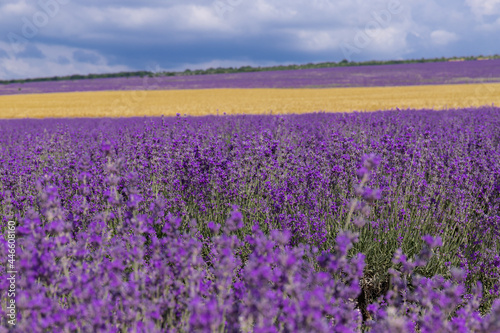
(245, 101)
(411, 74)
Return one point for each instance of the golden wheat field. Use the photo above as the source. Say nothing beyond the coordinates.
(245, 101)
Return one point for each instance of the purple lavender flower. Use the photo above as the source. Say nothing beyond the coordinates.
(235, 223)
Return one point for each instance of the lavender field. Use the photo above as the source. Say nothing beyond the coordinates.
(382, 222)
(361, 76)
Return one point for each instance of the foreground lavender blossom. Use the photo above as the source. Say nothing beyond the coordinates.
(361, 76)
(385, 221)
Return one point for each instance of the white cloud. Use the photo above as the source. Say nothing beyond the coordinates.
(199, 18)
(484, 7)
(16, 8)
(193, 33)
(442, 37)
(178, 18)
(313, 40)
(390, 40)
(51, 64)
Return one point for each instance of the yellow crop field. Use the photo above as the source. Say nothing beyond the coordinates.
(247, 101)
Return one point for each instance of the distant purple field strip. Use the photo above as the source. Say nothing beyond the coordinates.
(361, 76)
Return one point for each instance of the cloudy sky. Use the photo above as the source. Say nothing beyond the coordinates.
(60, 37)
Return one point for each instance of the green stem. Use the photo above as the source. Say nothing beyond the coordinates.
(355, 202)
